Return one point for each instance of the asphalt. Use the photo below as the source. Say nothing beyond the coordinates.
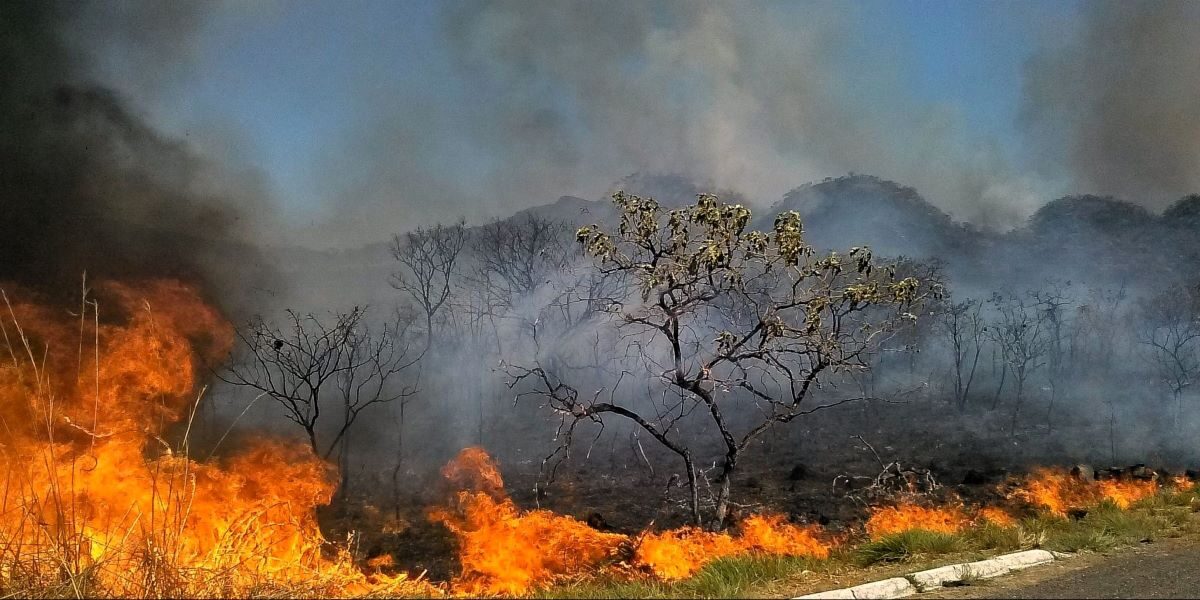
(1165, 569)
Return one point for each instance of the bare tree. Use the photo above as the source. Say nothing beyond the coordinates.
(964, 328)
(728, 319)
(1053, 301)
(373, 358)
(1019, 331)
(427, 260)
(1096, 331)
(309, 363)
(518, 254)
(1169, 325)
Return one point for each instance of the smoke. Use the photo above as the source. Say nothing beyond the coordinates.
(567, 98)
(1115, 105)
(88, 186)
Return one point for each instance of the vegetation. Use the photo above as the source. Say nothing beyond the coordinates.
(1104, 528)
(729, 319)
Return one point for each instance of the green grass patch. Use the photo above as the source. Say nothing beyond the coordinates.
(907, 544)
(990, 536)
(735, 577)
(1105, 527)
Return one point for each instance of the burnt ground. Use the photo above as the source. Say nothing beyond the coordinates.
(813, 472)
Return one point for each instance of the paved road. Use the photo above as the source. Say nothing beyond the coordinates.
(1166, 569)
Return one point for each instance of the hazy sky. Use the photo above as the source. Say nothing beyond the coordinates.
(365, 117)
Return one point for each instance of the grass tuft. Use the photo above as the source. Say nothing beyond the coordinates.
(907, 544)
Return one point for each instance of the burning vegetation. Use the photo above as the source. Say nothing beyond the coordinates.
(97, 501)
(102, 496)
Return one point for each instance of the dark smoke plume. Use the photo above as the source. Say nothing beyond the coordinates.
(87, 186)
(1117, 105)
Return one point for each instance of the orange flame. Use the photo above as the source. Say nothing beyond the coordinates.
(995, 516)
(504, 550)
(92, 487)
(680, 553)
(907, 516)
(1058, 492)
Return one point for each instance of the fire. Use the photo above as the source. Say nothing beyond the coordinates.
(504, 550)
(1058, 492)
(1125, 493)
(995, 516)
(772, 534)
(680, 553)
(97, 498)
(908, 516)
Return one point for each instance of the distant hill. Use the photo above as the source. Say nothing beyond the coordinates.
(859, 209)
(1096, 241)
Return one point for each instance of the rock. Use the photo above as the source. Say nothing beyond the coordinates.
(596, 520)
(974, 477)
(1142, 473)
(798, 472)
(1083, 472)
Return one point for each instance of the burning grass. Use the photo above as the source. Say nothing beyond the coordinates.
(504, 550)
(96, 502)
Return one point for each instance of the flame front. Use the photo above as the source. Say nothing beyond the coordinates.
(504, 550)
(1058, 492)
(94, 496)
(908, 516)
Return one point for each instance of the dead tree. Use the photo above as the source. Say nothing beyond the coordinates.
(964, 328)
(1169, 328)
(1054, 302)
(726, 319)
(309, 364)
(520, 253)
(427, 260)
(374, 359)
(1096, 330)
(1019, 330)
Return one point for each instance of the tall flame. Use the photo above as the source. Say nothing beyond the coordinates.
(94, 495)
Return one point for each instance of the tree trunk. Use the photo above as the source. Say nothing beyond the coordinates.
(1178, 408)
(999, 388)
(1012, 431)
(312, 440)
(722, 510)
(399, 462)
(693, 489)
(723, 485)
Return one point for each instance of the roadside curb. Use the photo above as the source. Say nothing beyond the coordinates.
(931, 579)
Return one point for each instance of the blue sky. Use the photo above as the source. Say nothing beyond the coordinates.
(295, 84)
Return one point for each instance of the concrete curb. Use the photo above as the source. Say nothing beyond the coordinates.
(923, 581)
(896, 587)
(983, 569)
